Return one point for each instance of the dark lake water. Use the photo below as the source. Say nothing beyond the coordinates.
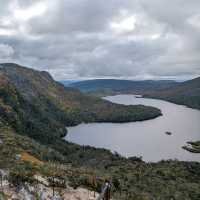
(148, 138)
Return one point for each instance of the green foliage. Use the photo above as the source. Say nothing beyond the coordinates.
(2, 196)
(21, 173)
(131, 178)
(116, 86)
(55, 175)
(35, 106)
(186, 93)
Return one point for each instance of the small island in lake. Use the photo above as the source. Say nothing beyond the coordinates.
(168, 133)
(193, 147)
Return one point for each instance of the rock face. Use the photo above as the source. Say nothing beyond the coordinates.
(41, 191)
(80, 193)
(44, 193)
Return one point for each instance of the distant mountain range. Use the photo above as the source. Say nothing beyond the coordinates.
(122, 86)
(68, 82)
(186, 93)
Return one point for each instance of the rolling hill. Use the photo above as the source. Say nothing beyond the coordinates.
(186, 93)
(116, 86)
(36, 102)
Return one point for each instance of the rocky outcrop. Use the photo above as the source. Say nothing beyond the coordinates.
(36, 105)
(42, 192)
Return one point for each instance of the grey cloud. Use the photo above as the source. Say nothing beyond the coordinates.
(26, 3)
(75, 38)
(77, 16)
(6, 51)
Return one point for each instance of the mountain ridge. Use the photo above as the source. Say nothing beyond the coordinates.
(120, 85)
(185, 93)
(47, 107)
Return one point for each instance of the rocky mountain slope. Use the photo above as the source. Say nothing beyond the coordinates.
(34, 110)
(185, 93)
(116, 86)
(44, 106)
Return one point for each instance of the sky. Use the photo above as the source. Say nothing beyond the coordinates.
(77, 39)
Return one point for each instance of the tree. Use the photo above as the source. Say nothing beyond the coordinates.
(21, 173)
(55, 176)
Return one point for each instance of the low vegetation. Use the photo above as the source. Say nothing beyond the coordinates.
(33, 109)
(117, 86)
(185, 93)
(89, 167)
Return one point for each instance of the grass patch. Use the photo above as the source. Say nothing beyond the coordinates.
(29, 158)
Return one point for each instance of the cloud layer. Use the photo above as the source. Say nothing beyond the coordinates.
(137, 39)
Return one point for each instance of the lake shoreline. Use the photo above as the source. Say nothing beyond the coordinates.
(98, 142)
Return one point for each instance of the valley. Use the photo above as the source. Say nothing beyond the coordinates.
(34, 113)
(184, 93)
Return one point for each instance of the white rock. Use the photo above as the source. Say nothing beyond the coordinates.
(56, 197)
(15, 197)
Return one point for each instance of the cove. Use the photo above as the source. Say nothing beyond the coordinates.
(147, 138)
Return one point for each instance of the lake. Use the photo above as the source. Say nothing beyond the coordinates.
(148, 138)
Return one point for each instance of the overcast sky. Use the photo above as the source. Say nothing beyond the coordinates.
(135, 39)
